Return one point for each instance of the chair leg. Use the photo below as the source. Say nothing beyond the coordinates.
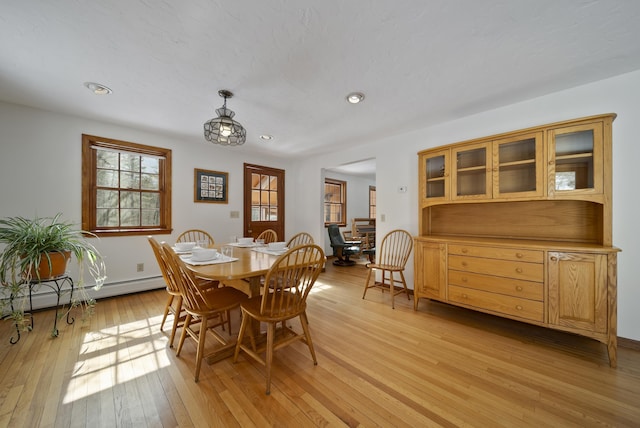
(366, 284)
(201, 338)
(176, 321)
(183, 336)
(243, 328)
(166, 311)
(304, 321)
(404, 283)
(271, 330)
(392, 289)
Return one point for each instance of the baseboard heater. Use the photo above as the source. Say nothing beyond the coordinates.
(46, 298)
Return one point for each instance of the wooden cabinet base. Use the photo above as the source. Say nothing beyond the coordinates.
(563, 286)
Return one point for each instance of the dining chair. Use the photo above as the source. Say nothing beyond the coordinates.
(289, 281)
(300, 239)
(172, 291)
(268, 235)
(203, 305)
(197, 236)
(391, 258)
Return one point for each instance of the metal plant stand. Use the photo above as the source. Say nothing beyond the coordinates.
(57, 285)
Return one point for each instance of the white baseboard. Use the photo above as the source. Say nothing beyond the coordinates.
(46, 298)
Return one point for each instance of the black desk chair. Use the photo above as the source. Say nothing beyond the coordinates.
(341, 249)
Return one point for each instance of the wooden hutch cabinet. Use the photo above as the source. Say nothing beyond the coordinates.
(519, 225)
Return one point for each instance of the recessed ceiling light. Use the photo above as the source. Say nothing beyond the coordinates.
(97, 88)
(355, 97)
(266, 137)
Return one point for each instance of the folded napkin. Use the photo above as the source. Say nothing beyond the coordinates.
(267, 250)
(217, 260)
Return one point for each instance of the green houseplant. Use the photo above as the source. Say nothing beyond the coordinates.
(30, 247)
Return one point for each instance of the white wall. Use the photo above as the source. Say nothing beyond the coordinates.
(40, 172)
(397, 166)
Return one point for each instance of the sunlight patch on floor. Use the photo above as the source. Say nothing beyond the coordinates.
(116, 355)
(319, 286)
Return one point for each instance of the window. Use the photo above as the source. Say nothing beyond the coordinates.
(264, 197)
(335, 202)
(126, 187)
(372, 201)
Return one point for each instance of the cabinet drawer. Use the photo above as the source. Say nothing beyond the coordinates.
(516, 254)
(496, 284)
(505, 268)
(513, 306)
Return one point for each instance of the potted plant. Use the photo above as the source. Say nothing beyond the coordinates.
(31, 248)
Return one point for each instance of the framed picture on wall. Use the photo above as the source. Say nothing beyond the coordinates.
(210, 186)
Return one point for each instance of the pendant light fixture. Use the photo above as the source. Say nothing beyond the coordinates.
(223, 129)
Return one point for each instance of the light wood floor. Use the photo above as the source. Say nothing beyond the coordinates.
(440, 366)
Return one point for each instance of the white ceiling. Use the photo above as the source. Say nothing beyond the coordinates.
(291, 63)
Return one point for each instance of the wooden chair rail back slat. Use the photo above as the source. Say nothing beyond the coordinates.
(268, 235)
(300, 239)
(196, 235)
(193, 299)
(290, 280)
(395, 248)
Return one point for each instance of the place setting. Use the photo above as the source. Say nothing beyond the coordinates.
(244, 243)
(207, 256)
(272, 248)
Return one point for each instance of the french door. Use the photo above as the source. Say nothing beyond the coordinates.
(263, 200)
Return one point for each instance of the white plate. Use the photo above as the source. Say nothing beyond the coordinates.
(190, 259)
(181, 251)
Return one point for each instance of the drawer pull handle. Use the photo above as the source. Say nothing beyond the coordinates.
(519, 288)
(464, 296)
(518, 307)
(464, 279)
(554, 259)
(519, 255)
(519, 270)
(464, 264)
(465, 251)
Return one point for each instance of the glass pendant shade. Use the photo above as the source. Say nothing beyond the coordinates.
(223, 129)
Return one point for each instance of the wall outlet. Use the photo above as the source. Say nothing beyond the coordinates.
(383, 217)
(235, 214)
(140, 267)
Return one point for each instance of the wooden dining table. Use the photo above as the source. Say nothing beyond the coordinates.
(250, 266)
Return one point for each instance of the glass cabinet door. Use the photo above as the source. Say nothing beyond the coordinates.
(517, 166)
(436, 175)
(471, 177)
(575, 159)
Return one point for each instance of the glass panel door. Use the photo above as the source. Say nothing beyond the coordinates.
(518, 166)
(576, 159)
(436, 175)
(471, 177)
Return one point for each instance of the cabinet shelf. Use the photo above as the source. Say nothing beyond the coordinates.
(575, 156)
(472, 169)
(527, 162)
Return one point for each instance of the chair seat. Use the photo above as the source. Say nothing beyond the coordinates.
(390, 268)
(220, 299)
(252, 307)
